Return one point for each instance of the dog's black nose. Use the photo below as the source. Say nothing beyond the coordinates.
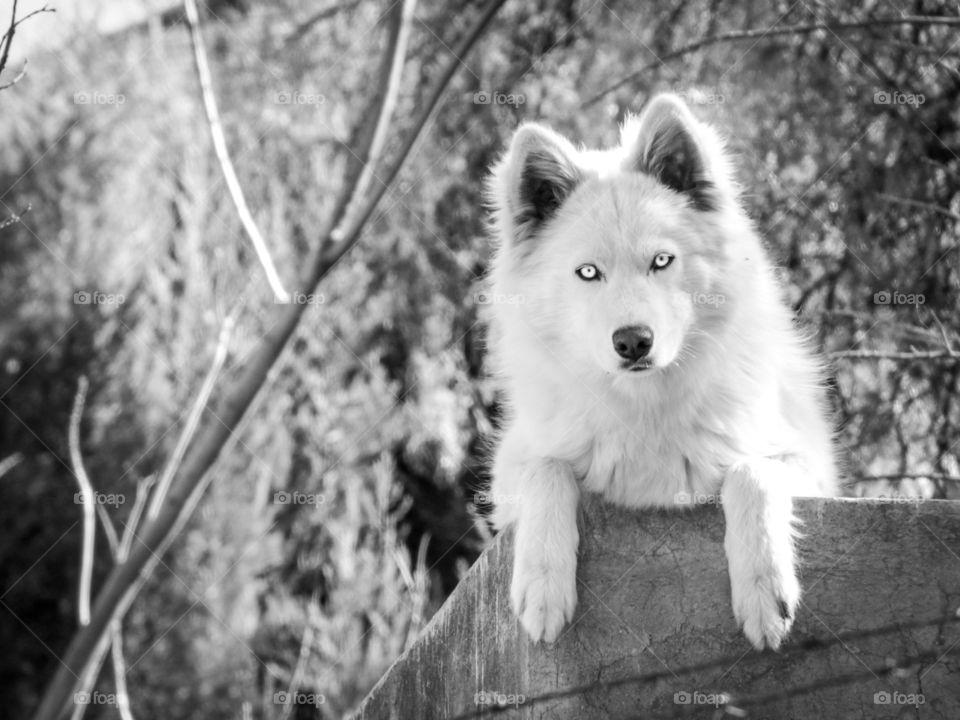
(634, 342)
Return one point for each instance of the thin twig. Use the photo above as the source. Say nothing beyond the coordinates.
(119, 670)
(130, 529)
(89, 677)
(325, 14)
(16, 78)
(109, 530)
(920, 204)
(89, 533)
(193, 419)
(7, 40)
(390, 73)
(87, 502)
(759, 33)
(116, 641)
(118, 551)
(882, 355)
(909, 476)
(223, 156)
(14, 218)
(329, 256)
(943, 335)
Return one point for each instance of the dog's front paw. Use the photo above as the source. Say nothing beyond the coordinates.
(544, 593)
(544, 599)
(764, 602)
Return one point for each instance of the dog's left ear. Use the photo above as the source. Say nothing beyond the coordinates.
(665, 143)
(535, 178)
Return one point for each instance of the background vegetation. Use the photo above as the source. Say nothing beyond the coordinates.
(847, 140)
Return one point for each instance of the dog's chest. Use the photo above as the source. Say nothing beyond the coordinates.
(653, 464)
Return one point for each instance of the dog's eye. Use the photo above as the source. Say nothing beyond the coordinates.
(588, 272)
(661, 261)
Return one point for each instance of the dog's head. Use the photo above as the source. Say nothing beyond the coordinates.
(616, 254)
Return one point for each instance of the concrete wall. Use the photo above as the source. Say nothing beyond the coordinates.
(881, 585)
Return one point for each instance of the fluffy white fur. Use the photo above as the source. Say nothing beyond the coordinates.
(732, 407)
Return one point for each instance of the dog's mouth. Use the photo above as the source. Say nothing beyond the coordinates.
(637, 365)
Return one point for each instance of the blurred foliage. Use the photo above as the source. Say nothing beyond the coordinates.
(378, 411)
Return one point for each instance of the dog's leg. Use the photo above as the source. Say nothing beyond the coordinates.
(758, 508)
(544, 507)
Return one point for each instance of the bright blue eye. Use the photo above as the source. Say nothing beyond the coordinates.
(661, 261)
(588, 272)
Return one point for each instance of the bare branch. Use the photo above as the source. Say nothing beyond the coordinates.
(89, 677)
(14, 218)
(143, 494)
(116, 641)
(126, 579)
(325, 14)
(120, 549)
(190, 427)
(89, 533)
(119, 670)
(909, 476)
(7, 40)
(390, 71)
(87, 502)
(223, 156)
(328, 257)
(112, 540)
(760, 33)
(16, 78)
(881, 355)
(920, 204)
(944, 337)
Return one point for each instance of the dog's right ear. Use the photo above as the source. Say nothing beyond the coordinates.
(665, 142)
(535, 178)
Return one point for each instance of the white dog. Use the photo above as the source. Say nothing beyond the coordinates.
(646, 354)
